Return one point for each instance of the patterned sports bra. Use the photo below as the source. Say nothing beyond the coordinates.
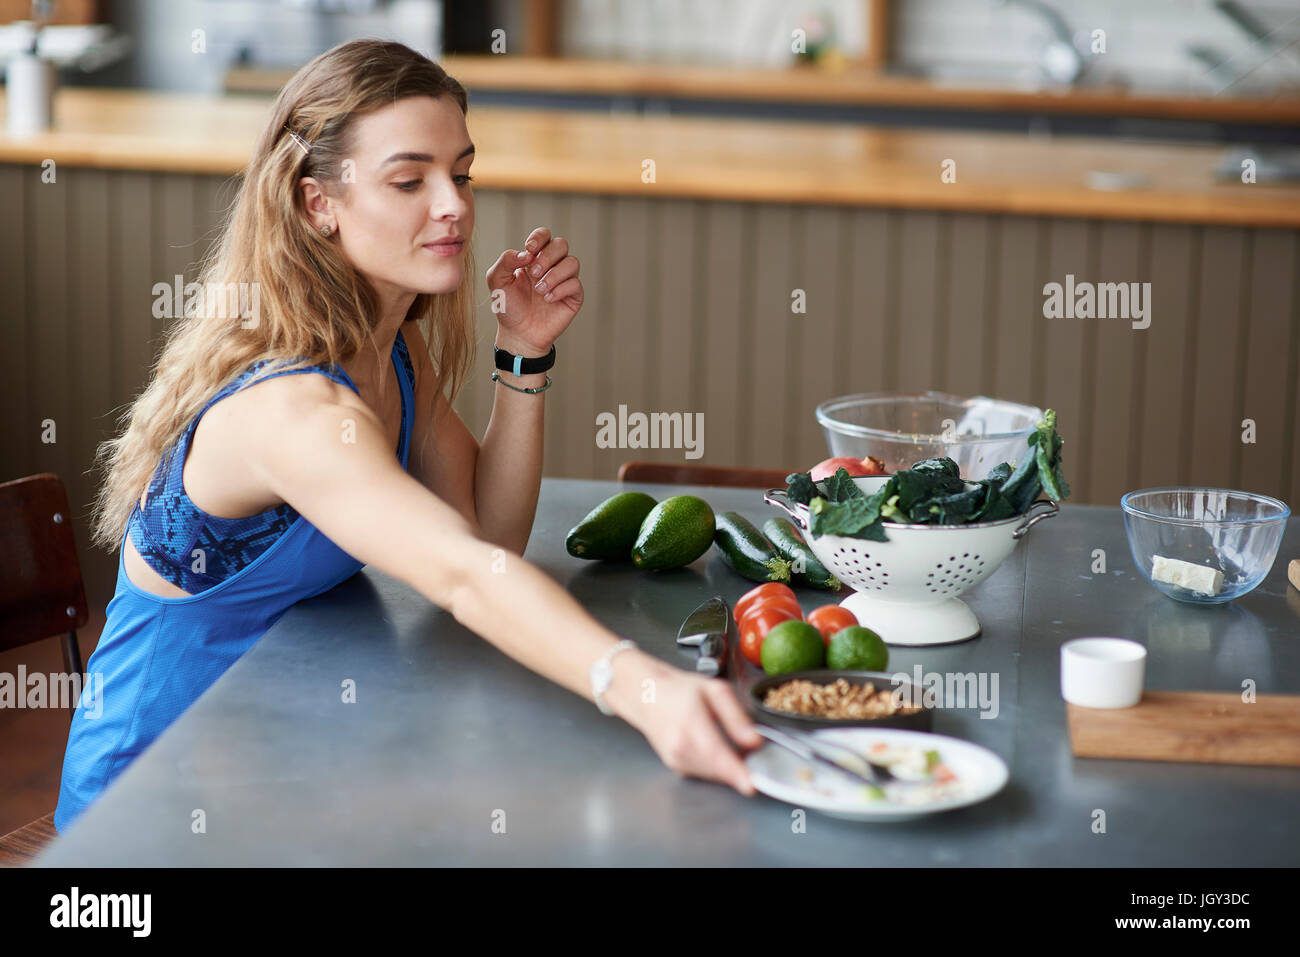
(171, 533)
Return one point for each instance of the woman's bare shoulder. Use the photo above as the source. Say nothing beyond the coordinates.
(223, 474)
(292, 392)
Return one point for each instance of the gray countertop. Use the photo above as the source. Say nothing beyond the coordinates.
(455, 754)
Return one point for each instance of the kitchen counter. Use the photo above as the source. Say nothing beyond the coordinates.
(448, 735)
(705, 158)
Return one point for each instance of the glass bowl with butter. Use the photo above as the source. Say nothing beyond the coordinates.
(1204, 546)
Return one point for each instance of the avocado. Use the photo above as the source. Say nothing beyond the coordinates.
(610, 529)
(676, 532)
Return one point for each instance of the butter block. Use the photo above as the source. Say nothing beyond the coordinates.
(1197, 578)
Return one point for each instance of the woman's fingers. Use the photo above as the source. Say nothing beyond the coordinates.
(568, 288)
(683, 729)
(504, 271)
(732, 715)
(540, 255)
(566, 268)
(548, 256)
(720, 762)
(538, 238)
(700, 749)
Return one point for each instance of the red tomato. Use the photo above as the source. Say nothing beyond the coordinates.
(755, 629)
(776, 601)
(751, 646)
(754, 595)
(788, 606)
(829, 619)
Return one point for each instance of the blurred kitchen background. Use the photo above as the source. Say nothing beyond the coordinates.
(1150, 48)
(913, 171)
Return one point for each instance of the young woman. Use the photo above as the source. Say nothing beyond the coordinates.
(279, 449)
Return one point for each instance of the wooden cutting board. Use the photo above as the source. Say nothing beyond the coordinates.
(1195, 726)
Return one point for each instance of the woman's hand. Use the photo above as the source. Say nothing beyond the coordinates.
(687, 722)
(541, 290)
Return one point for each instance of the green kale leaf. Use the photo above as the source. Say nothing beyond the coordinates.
(840, 487)
(800, 488)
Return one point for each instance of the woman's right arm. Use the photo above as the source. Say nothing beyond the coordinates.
(322, 450)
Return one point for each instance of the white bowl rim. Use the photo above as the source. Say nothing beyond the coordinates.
(1131, 509)
(846, 428)
(1128, 651)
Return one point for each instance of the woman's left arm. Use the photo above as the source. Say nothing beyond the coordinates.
(495, 486)
(498, 482)
(535, 294)
(509, 473)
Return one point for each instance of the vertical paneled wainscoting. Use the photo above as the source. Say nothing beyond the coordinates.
(735, 319)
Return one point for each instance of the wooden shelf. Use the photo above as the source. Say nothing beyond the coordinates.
(706, 158)
(856, 85)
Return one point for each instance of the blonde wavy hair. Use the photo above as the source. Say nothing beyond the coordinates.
(312, 304)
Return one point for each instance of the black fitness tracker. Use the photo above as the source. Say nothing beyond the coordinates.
(508, 362)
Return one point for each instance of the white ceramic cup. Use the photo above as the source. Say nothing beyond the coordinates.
(1102, 672)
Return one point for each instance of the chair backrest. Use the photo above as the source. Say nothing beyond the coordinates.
(672, 474)
(41, 591)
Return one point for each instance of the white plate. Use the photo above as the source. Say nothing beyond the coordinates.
(775, 772)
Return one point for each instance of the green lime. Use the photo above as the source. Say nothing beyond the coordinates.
(858, 649)
(793, 646)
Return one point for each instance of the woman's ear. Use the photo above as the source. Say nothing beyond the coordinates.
(320, 210)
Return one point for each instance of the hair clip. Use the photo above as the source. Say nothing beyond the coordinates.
(306, 147)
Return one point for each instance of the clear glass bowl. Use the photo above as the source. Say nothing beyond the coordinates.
(1237, 533)
(903, 428)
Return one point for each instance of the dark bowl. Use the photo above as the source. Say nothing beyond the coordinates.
(920, 721)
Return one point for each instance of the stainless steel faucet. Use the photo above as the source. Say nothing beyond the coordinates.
(1060, 59)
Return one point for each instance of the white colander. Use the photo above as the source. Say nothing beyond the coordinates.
(906, 589)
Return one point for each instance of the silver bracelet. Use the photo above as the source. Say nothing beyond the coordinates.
(496, 377)
(602, 674)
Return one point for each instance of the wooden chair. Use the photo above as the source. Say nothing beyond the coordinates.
(663, 473)
(41, 594)
(19, 848)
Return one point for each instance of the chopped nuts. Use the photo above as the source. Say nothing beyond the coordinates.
(838, 700)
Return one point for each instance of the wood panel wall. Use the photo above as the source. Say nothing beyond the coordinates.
(689, 310)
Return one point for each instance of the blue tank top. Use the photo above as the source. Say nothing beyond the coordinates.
(169, 530)
(156, 655)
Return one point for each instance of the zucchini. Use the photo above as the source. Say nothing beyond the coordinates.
(747, 551)
(790, 544)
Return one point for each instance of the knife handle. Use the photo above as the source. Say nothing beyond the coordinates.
(713, 651)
